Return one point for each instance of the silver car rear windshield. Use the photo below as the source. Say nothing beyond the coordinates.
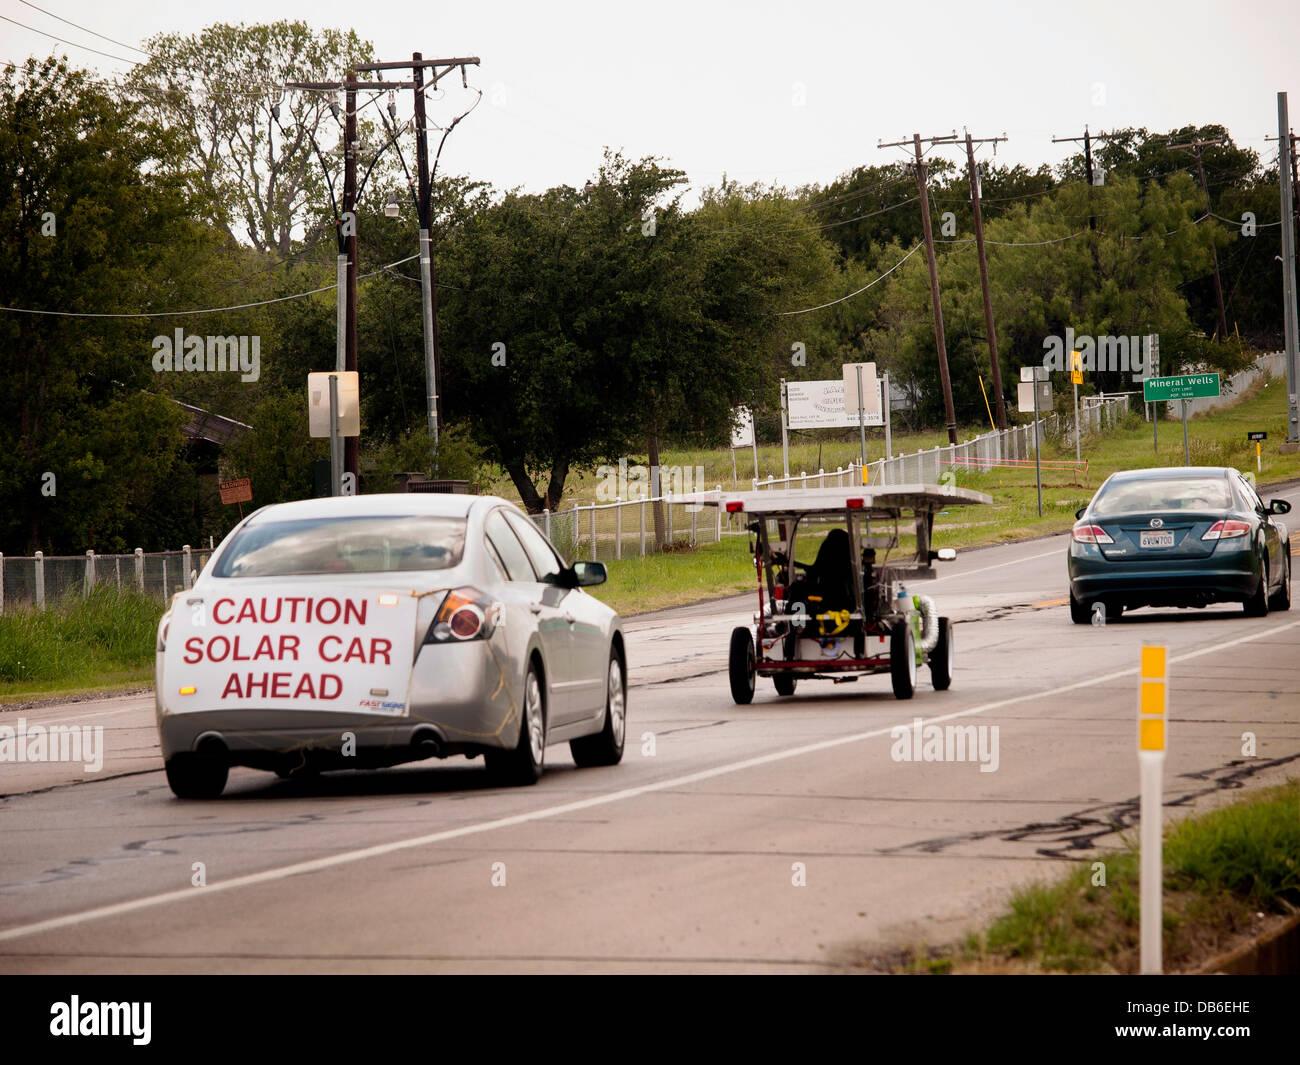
(361, 544)
(1163, 494)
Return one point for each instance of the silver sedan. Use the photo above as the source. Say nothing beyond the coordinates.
(367, 631)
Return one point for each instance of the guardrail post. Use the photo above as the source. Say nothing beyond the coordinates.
(39, 580)
(89, 582)
(187, 579)
(139, 570)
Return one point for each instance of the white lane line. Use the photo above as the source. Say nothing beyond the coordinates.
(366, 853)
(1000, 565)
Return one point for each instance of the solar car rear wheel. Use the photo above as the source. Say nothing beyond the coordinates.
(941, 657)
(902, 659)
(196, 776)
(523, 765)
(606, 746)
(741, 665)
(785, 685)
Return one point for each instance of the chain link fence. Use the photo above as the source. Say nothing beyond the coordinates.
(41, 580)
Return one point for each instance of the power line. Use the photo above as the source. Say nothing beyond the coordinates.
(64, 40)
(820, 306)
(201, 310)
(84, 29)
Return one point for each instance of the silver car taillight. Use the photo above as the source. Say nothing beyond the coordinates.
(465, 614)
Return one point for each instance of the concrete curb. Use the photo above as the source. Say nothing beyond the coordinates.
(1273, 954)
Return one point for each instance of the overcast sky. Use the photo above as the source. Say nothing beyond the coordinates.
(789, 93)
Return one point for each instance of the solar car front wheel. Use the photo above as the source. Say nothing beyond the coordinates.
(902, 659)
(785, 685)
(741, 666)
(941, 657)
(606, 746)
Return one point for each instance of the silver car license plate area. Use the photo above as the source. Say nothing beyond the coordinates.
(1156, 539)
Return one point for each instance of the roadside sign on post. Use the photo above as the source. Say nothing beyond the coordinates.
(318, 403)
(742, 435)
(1185, 386)
(1257, 436)
(1259, 458)
(1033, 393)
(1182, 387)
(861, 394)
(238, 491)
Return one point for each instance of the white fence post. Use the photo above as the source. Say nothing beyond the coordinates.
(618, 530)
(139, 570)
(89, 582)
(164, 578)
(668, 506)
(187, 577)
(546, 521)
(2, 583)
(718, 512)
(593, 532)
(643, 526)
(39, 578)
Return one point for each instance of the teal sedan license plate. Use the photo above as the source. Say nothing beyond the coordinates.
(1156, 539)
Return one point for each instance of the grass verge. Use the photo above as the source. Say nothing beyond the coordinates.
(104, 641)
(1224, 873)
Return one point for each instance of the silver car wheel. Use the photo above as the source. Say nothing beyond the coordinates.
(617, 701)
(533, 718)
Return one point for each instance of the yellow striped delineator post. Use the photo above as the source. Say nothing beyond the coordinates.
(1153, 702)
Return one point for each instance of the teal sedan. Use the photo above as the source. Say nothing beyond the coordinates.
(1183, 537)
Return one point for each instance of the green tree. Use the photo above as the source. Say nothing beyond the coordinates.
(91, 215)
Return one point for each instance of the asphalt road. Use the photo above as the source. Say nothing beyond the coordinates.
(782, 836)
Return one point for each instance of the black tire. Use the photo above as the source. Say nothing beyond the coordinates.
(941, 658)
(1282, 598)
(523, 765)
(606, 746)
(1080, 612)
(902, 659)
(1257, 605)
(196, 776)
(740, 666)
(785, 685)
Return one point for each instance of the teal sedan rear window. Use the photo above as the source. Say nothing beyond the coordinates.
(1163, 494)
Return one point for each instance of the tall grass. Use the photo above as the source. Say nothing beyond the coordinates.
(76, 641)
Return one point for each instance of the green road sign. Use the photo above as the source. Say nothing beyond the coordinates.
(1188, 386)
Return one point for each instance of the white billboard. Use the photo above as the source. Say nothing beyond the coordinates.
(820, 405)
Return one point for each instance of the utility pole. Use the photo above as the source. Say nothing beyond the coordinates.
(423, 193)
(346, 325)
(351, 444)
(1285, 153)
(1087, 139)
(1195, 147)
(984, 270)
(944, 379)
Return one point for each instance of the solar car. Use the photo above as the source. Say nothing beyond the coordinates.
(366, 631)
(848, 612)
(1183, 536)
